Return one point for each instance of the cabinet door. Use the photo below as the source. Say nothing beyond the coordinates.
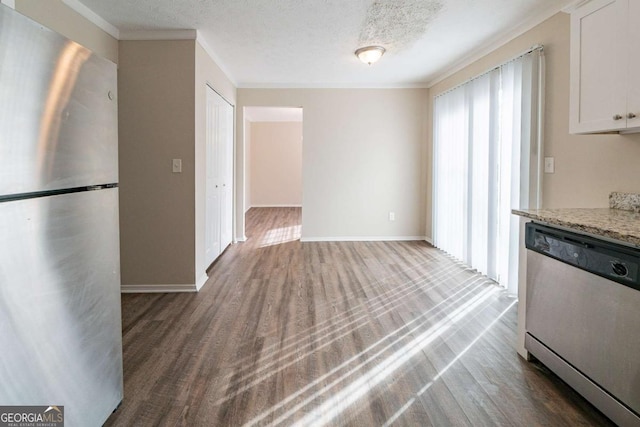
(633, 79)
(599, 64)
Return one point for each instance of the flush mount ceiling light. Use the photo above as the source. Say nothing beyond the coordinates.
(370, 54)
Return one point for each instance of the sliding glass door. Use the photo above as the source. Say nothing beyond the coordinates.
(487, 135)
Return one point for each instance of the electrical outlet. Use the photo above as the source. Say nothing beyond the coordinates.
(549, 165)
(392, 216)
(177, 165)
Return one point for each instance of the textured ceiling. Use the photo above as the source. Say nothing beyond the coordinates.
(310, 43)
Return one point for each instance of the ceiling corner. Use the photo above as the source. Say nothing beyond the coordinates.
(214, 56)
(496, 43)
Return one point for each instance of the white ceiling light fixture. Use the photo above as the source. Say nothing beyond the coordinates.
(370, 54)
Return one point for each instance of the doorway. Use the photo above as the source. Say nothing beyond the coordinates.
(273, 140)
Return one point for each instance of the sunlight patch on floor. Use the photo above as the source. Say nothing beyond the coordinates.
(277, 236)
(410, 402)
(337, 400)
(466, 288)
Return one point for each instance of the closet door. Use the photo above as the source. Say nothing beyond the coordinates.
(212, 227)
(226, 175)
(219, 185)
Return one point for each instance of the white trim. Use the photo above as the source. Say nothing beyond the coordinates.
(145, 289)
(158, 35)
(363, 239)
(429, 240)
(207, 48)
(575, 5)
(328, 85)
(492, 45)
(241, 239)
(93, 17)
(275, 206)
(200, 283)
(9, 3)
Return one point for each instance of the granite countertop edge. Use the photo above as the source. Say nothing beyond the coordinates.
(609, 223)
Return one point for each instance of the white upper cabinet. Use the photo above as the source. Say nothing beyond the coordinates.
(605, 67)
(633, 53)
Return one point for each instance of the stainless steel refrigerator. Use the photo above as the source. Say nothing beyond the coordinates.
(60, 325)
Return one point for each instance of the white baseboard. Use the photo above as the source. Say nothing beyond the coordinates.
(165, 288)
(200, 283)
(241, 239)
(276, 206)
(160, 288)
(429, 240)
(363, 239)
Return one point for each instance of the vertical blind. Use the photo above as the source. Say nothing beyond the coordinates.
(487, 145)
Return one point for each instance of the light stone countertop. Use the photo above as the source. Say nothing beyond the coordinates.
(615, 224)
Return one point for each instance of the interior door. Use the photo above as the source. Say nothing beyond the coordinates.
(219, 185)
(212, 226)
(226, 175)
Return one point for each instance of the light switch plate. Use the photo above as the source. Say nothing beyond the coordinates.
(549, 165)
(177, 165)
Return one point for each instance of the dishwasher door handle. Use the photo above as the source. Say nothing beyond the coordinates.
(579, 243)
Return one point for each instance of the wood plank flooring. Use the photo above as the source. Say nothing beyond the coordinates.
(349, 333)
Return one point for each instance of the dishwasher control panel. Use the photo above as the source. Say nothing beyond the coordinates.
(615, 262)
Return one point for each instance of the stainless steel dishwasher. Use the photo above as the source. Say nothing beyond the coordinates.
(583, 316)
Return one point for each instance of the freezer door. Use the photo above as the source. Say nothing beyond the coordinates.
(60, 324)
(58, 115)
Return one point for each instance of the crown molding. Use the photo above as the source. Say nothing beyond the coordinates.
(575, 5)
(493, 44)
(158, 35)
(93, 17)
(207, 48)
(328, 85)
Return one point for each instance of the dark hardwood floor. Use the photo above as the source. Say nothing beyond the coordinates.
(349, 333)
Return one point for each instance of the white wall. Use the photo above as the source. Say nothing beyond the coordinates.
(275, 163)
(363, 156)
